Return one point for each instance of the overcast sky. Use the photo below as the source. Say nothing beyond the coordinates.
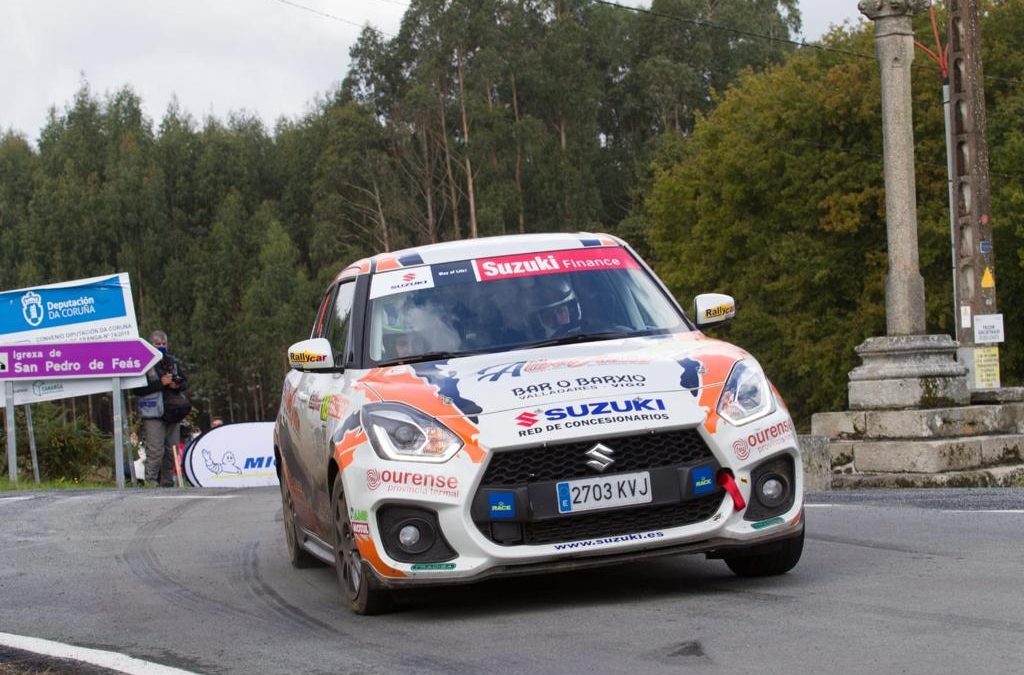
(268, 57)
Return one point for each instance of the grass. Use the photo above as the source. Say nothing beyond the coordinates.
(25, 482)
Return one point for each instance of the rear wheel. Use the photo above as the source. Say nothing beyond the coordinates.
(358, 583)
(767, 560)
(299, 557)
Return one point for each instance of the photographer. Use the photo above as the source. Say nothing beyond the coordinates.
(162, 407)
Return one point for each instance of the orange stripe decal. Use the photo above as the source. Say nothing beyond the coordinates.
(369, 553)
(388, 262)
(717, 365)
(401, 384)
(345, 450)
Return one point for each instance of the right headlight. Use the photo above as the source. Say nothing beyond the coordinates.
(402, 433)
(747, 395)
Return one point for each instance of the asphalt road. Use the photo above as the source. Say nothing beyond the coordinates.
(891, 581)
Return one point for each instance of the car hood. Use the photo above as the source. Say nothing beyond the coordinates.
(539, 395)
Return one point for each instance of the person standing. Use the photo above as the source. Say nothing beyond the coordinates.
(162, 406)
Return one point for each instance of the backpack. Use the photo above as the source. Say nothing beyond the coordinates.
(176, 406)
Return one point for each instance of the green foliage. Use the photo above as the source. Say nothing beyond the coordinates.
(67, 450)
(778, 199)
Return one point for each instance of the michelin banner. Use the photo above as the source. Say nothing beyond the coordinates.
(86, 310)
(232, 456)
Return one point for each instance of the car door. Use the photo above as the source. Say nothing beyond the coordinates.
(318, 388)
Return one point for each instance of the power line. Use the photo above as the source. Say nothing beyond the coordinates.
(328, 16)
(703, 23)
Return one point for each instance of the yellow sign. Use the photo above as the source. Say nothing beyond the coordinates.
(986, 367)
(987, 280)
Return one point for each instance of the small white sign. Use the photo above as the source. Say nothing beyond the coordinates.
(988, 328)
(37, 391)
(965, 316)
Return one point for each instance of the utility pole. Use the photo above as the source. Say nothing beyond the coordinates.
(978, 325)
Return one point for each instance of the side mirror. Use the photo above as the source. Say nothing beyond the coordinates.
(315, 354)
(713, 308)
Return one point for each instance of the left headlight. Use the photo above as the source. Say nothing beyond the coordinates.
(746, 396)
(402, 433)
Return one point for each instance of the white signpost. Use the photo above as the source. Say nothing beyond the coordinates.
(88, 310)
(55, 360)
(97, 309)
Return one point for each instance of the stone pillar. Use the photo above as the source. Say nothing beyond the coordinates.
(894, 45)
(905, 369)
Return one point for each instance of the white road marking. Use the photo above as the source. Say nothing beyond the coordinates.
(983, 510)
(112, 660)
(15, 499)
(193, 496)
(836, 506)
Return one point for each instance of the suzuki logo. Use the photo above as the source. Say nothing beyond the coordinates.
(409, 276)
(527, 419)
(600, 457)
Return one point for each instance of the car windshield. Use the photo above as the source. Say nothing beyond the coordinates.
(512, 302)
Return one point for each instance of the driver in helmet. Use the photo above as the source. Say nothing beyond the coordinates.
(554, 309)
(401, 341)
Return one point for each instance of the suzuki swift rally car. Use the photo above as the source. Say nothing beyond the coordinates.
(524, 404)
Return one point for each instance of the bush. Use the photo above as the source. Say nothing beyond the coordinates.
(72, 450)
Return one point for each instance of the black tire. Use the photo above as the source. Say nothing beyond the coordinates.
(299, 557)
(767, 560)
(359, 586)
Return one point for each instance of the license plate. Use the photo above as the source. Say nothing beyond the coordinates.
(587, 494)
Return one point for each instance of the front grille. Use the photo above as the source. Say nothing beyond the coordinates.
(566, 461)
(610, 524)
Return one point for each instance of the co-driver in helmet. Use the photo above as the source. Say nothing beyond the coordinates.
(554, 309)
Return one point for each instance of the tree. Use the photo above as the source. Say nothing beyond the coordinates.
(276, 310)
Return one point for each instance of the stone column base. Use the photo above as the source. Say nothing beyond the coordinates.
(908, 371)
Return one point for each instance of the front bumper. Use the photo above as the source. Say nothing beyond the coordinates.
(453, 492)
(714, 548)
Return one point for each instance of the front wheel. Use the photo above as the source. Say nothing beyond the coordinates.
(299, 557)
(767, 560)
(358, 584)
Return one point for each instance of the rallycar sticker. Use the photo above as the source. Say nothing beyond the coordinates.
(553, 262)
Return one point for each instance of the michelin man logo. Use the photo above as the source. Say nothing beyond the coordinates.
(32, 308)
(225, 465)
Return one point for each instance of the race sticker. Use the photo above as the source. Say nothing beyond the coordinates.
(553, 262)
(407, 279)
(401, 281)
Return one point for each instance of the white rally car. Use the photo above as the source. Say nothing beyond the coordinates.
(524, 404)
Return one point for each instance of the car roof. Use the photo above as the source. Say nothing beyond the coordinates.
(485, 247)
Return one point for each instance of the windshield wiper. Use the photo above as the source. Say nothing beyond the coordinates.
(579, 337)
(419, 358)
